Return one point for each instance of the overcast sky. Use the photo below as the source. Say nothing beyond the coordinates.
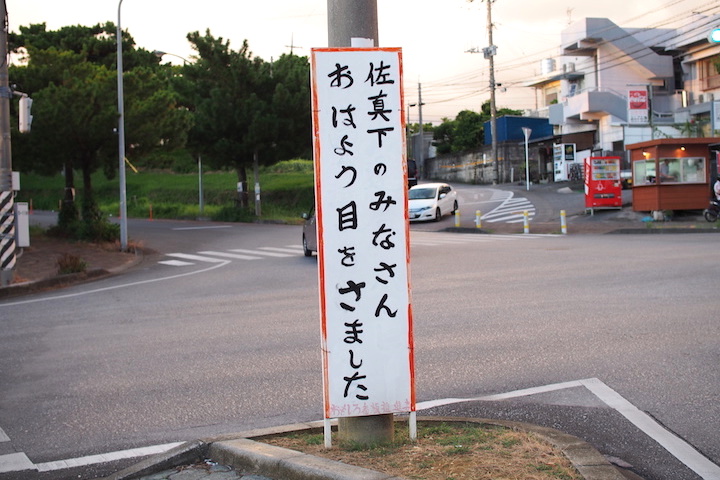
(434, 34)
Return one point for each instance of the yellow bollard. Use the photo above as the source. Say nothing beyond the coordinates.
(526, 222)
(563, 222)
(478, 219)
(457, 218)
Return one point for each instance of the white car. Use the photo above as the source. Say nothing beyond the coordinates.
(430, 201)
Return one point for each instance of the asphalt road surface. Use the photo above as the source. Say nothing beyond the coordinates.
(613, 338)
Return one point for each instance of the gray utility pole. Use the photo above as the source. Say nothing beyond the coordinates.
(421, 148)
(490, 54)
(349, 19)
(7, 214)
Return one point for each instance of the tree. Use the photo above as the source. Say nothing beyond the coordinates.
(466, 132)
(246, 110)
(75, 107)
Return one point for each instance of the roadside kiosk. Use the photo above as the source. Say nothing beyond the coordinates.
(673, 173)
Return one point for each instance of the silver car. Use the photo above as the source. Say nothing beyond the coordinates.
(430, 201)
(309, 235)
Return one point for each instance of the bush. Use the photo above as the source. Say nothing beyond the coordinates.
(69, 263)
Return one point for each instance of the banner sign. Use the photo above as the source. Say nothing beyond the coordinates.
(638, 106)
(363, 231)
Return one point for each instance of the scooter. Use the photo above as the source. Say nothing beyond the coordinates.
(712, 213)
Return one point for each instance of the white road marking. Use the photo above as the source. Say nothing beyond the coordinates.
(230, 255)
(202, 228)
(675, 445)
(292, 250)
(680, 449)
(3, 436)
(197, 258)
(176, 263)
(106, 457)
(115, 287)
(15, 462)
(260, 252)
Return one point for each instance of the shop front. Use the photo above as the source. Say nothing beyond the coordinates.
(672, 173)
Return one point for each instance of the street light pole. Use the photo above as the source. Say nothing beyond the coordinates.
(121, 138)
(527, 131)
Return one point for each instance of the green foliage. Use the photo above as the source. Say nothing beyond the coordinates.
(466, 131)
(287, 191)
(68, 263)
(71, 75)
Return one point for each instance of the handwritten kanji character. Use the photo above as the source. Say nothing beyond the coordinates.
(347, 217)
(379, 110)
(379, 75)
(382, 132)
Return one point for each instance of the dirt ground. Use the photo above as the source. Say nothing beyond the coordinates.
(39, 261)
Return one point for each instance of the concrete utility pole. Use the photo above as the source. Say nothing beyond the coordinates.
(490, 54)
(7, 215)
(421, 148)
(348, 19)
(121, 138)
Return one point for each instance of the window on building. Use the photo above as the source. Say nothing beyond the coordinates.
(709, 72)
(669, 170)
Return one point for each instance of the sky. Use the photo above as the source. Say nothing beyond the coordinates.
(435, 35)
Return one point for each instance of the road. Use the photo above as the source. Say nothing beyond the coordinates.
(572, 331)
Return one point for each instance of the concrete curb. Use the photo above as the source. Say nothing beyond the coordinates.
(67, 279)
(252, 457)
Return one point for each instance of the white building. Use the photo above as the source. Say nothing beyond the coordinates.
(584, 92)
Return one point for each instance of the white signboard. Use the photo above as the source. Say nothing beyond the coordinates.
(363, 239)
(638, 106)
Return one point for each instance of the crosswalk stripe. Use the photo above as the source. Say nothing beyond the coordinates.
(293, 250)
(258, 252)
(231, 255)
(197, 258)
(176, 263)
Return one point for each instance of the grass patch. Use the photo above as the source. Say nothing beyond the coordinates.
(445, 451)
(286, 192)
(69, 263)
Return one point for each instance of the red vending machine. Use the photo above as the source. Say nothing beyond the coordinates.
(603, 188)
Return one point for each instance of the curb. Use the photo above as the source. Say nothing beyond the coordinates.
(245, 454)
(67, 279)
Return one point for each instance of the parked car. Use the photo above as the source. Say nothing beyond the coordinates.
(430, 201)
(309, 233)
(412, 173)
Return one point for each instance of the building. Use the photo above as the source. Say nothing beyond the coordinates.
(611, 87)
